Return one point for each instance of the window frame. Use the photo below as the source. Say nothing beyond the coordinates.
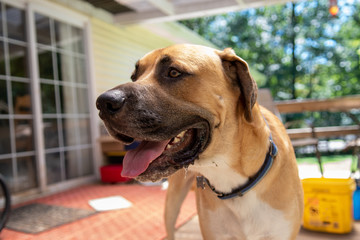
(65, 15)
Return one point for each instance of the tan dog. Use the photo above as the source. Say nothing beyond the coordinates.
(195, 107)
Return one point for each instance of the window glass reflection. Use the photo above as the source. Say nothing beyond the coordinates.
(27, 177)
(2, 58)
(86, 162)
(1, 22)
(53, 168)
(77, 39)
(46, 69)
(15, 20)
(42, 29)
(18, 60)
(24, 135)
(6, 166)
(51, 133)
(21, 97)
(67, 99)
(71, 164)
(70, 127)
(82, 100)
(65, 67)
(84, 131)
(48, 98)
(80, 73)
(5, 146)
(62, 35)
(4, 107)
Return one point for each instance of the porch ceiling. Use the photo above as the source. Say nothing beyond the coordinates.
(150, 11)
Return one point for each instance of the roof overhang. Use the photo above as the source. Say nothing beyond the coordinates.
(152, 11)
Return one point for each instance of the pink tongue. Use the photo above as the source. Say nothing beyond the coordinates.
(137, 160)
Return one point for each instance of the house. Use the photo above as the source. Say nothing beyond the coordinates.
(55, 60)
(56, 57)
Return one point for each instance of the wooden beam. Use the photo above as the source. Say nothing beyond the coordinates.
(323, 132)
(164, 6)
(341, 104)
(185, 11)
(191, 10)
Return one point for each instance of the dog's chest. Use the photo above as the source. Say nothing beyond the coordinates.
(245, 218)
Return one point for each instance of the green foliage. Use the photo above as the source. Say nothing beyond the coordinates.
(326, 62)
(327, 49)
(324, 159)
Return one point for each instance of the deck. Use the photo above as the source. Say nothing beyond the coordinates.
(191, 231)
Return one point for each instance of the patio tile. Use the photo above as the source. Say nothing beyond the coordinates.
(191, 231)
(144, 220)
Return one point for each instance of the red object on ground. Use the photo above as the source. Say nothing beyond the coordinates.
(112, 174)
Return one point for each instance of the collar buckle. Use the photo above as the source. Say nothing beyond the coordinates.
(200, 182)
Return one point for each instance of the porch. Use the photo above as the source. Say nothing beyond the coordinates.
(143, 220)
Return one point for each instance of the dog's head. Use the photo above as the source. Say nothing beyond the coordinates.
(179, 99)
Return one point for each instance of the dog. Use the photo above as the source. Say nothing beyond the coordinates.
(193, 108)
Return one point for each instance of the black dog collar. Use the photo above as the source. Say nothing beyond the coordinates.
(253, 181)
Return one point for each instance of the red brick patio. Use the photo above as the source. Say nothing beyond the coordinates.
(144, 220)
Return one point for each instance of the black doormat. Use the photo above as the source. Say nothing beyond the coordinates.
(35, 218)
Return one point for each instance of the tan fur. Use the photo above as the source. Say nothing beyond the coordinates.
(216, 87)
(247, 143)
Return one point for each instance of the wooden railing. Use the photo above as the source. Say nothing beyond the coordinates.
(341, 104)
(323, 132)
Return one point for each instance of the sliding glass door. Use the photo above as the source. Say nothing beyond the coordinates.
(62, 97)
(17, 152)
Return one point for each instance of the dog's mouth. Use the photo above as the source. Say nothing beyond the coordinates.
(154, 160)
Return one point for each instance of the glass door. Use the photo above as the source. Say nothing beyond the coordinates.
(17, 154)
(45, 133)
(64, 97)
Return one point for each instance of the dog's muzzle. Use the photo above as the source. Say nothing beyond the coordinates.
(171, 133)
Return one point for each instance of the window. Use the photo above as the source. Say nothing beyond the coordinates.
(64, 94)
(64, 99)
(17, 153)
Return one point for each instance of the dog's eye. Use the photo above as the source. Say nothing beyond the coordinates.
(173, 73)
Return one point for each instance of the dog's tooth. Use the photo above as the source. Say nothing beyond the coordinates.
(176, 140)
(181, 135)
(168, 146)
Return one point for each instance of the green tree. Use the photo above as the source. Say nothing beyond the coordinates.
(301, 49)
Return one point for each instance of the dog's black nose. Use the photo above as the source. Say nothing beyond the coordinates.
(111, 101)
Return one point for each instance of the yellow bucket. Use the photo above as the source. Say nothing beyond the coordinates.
(328, 204)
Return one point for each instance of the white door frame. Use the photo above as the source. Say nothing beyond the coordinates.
(64, 15)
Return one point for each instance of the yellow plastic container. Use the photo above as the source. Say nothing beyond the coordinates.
(328, 204)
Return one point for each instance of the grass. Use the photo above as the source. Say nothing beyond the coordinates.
(324, 159)
(328, 159)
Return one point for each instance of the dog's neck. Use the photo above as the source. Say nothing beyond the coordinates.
(232, 167)
(220, 174)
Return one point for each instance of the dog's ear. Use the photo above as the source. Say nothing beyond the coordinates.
(238, 70)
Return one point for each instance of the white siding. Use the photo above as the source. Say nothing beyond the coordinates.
(116, 49)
